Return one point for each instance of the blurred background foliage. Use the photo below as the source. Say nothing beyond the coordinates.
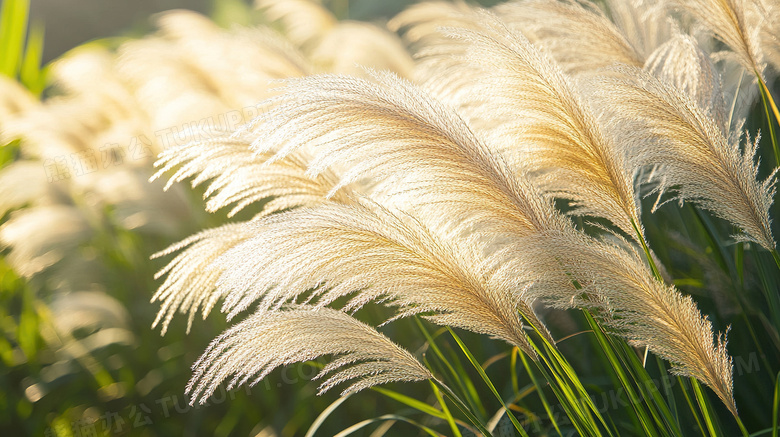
(78, 357)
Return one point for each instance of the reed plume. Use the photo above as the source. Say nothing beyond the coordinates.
(344, 47)
(422, 157)
(241, 177)
(191, 279)
(36, 244)
(555, 24)
(618, 286)
(370, 253)
(683, 64)
(734, 22)
(540, 121)
(770, 32)
(264, 341)
(699, 163)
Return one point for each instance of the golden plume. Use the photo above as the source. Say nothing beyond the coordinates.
(699, 162)
(264, 341)
(377, 255)
(619, 287)
(534, 114)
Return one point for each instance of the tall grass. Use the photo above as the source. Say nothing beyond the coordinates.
(555, 218)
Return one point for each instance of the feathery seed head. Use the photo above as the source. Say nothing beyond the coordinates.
(264, 341)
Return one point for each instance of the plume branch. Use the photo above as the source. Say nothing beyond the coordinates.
(619, 286)
(191, 280)
(330, 251)
(250, 350)
(667, 128)
(555, 24)
(736, 23)
(541, 120)
(240, 177)
(422, 155)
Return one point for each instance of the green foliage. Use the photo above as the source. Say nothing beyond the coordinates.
(22, 48)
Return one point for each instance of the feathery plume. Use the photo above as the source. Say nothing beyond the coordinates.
(736, 24)
(683, 64)
(240, 176)
(770, 32)
(37, 244)
(191, 279)
(699, 162)
(362, 249)
(536, 105)
(646, 24)
(422, 155)
(554, 25)
(619, 286)
(352, 46)
(420, 23)
(267, 340)
(343, 47)
(303, 21)
(14, 98)
(24, 182)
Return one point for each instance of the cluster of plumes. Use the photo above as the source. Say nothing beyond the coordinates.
(86, 152)
(434, 198)
(437, 198)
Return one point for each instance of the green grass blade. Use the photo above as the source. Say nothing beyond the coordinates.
(668, 390)
(360, 425)
(769, 105)
(467, 388)
(463, 408)
(617, 366)
(706, 409)
(411, 402)
(13, 29)
(446, 411)
(32, 76)
(488, 382)
(324, 415)
(694, 411)
(540, 391)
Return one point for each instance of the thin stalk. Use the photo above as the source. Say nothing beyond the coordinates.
(768, 289)
(539, 390)
(742, 428)
(513, 369)
(445, 410)
(462, 407)
(488, 382)
(704, 405)
(776, 256)
(776, 405)
(769, 102)
(646, 249)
